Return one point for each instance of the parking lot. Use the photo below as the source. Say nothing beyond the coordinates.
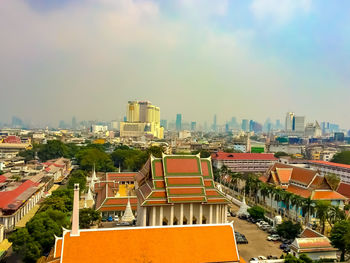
(258, 245)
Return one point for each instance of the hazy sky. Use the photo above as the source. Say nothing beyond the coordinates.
(250, 59)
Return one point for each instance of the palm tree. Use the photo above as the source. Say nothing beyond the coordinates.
(264, 191)
(286, 200)
(278, 195)
(335, 214)
(307, 206)
(296, 201)
(322, 209)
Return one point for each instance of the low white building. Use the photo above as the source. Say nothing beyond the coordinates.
(314, 245)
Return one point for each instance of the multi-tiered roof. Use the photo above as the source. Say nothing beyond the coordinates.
(177, 179)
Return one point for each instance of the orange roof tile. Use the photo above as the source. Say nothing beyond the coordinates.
(284, 174)
(58, 248)
(196, 243)
(344, 189)
(327, 195)
(176, 165)
(299, 191)
(308, 232)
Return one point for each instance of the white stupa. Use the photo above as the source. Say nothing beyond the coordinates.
(128, 215)
(243, 210)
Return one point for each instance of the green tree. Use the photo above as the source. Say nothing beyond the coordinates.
(289, 230)
(53, 149)
(25, 245)
(322, 209)
(130, 159)
(89, 157)
(77, 177)
(305, 258)
(87, 216)
(291, 259)
(156, 151)
(280, 154)
(339, 237)
(333, 180)
(335, 214)
(257, 212)
(342, 157)
(308, 207)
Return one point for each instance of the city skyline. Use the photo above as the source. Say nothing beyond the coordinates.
(227, 58)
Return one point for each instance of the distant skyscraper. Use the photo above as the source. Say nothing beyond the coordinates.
(339, 136)
(142, 119)
(245, 125)
(178, 122)
(17, 122)
(215, 123)
(164, 124)
(74, 123)
(299, 124)
(227, 127)
(289, 121)
(193, 126)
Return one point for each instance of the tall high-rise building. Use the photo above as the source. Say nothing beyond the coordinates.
(245, 125)
(289, 121)
(74, 123)
(142, 119)
(193, 126)
(178, 122)
(215, 123)
(164, 124)
(299, 124)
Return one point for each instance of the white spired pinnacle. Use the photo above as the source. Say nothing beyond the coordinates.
(128, 215)
(243, 210)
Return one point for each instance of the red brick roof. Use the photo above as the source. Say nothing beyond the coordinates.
(12, 139)
(120, 177)
(347, 166)
(243, 156)
(11, 199)
(299, 191)
(344, 189)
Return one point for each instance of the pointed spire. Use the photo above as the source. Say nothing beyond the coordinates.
(128, 215)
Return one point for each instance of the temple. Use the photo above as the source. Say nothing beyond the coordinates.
(113, 192)
(179, 190)
(191, 243)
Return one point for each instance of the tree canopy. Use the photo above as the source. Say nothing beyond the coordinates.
(77, 177)
(342, 157)
(333, 180)
(88, 157)
(289, 230)
(339, 237)
(87, 216)
(257, 212)
(280, 154)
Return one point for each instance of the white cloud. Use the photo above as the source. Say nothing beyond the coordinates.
(280, 11)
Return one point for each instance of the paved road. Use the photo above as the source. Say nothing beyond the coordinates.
(258, 245)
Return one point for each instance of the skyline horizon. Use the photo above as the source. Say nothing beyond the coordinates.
(250, 59)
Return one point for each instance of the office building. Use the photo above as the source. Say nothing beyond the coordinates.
(164, 124)
(142, 119)
(339, 136)
(289, 121)
(193, 126)
(215, 124)
(178, 122)
(313, 130)
(299, 124)
(245, 125)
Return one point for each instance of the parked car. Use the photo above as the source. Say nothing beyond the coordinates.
(262, 258)
(283, 246)
(286, 249)
(233, 214)
(110, 219)
(253, 260)
(272, 257)
(104, 219)
(273, 238)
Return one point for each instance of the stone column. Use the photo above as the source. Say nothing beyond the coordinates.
(161, 215)
(144, 216)
(200, 214)
(181, 214)
(171, 219)
(191, 214)
(210, 214)
(154, 211)
(217, 214)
